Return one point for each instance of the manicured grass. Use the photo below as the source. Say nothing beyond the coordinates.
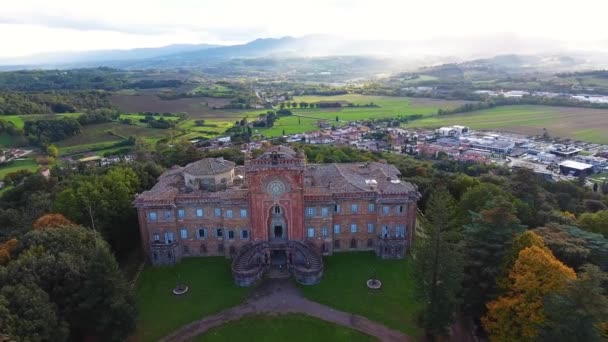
(292, 328)
(27, 164)
(344, 287)
(211, 290)
(567, 122)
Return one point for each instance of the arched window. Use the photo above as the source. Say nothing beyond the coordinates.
(220, 248)
(353, 243)
(232, 250)
(277, 209)
(186, 250)
(370, 243)
(203, 248)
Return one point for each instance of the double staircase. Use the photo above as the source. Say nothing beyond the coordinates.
(249, 264)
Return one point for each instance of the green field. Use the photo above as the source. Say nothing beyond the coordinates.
(292, 328)
(27, 164)
(567, 122)
(18, 120)
(136, 117)
(104, 135)
(211, 290)
(343, 287)
(387, 106)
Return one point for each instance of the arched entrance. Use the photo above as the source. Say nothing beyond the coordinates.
(277, 225)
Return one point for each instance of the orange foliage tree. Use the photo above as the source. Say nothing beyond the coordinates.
(6, 249)
(52, 221)
(519, 315)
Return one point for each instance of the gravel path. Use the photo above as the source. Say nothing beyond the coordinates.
(281, 297)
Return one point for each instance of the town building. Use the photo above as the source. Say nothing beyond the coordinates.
(574, 168)
(277, 213)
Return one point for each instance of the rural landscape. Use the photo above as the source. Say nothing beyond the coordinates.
(194, 174)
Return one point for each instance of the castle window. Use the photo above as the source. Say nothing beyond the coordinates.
(386, 231)
(201, 233)
(232, 250)
(277, 209)
(353, 228)
(219, 232)
(311, 232)
(310, 211)
(336, 229)
(337, 208)
(152, 215)
(229, 213)
(156, 237)
(230, 234)
(243, 213)
(183, 233)
(336, 244)
(370, 228)
(354, 208)
(400, 209)
(167, 214)
(220, 248)
(169, 237)
(370, 243)
(353, 243)
(181, 213)
(203, 249)
(324, 231)
(217, 212)
(371, 207)
(186, 249)
(200, 212)
(244, 234)
(325, 211)
(400, 231)
(386, 209)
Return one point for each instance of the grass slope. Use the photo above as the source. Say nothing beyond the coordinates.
(292, 327)
(343, 287)
(211, 290)
(568, 122)
(26, 164)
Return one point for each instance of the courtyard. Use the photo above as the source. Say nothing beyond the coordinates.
(212, 292)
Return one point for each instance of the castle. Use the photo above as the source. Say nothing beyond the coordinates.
(276, 213)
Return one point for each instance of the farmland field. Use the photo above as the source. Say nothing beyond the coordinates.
(576, 123)
(195, 107)
(104, 135)
(387, 106)
(27, 164)
(18, 120)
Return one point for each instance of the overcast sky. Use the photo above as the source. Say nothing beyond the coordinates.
(34, 26)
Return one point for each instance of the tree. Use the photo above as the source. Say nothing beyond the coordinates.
(521, 242)
(26, 314)
(337, 118)
(595, 222)
(438, 264)
(576, 314)
(77, 271)
(6, 249)
(294, 105)
(52, 220)
(52, 151)
(282, 105)
(487, 239)
(519, 315)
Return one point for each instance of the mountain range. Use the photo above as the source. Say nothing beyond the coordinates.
(413, 53)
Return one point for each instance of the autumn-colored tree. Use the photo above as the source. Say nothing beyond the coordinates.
(6, 249)
(521, 242)
(519, 315)
(52, 221)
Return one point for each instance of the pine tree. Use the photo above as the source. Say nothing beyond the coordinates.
(438, 264)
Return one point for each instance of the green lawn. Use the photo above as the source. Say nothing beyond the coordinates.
(17, 165)
(292, 328)
(211, 290)
(343, 287)
(567, 122)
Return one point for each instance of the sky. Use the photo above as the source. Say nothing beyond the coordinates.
(42, 26)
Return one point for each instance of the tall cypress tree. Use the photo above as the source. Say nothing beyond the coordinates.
(438, 264)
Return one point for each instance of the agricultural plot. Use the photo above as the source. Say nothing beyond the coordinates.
(195, 107)
(387, 107)
(575, 123)
(135, 118)
(19, 120)
(103, 135)
(25, 164)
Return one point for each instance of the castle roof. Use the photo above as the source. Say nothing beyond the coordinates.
(208, 167)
